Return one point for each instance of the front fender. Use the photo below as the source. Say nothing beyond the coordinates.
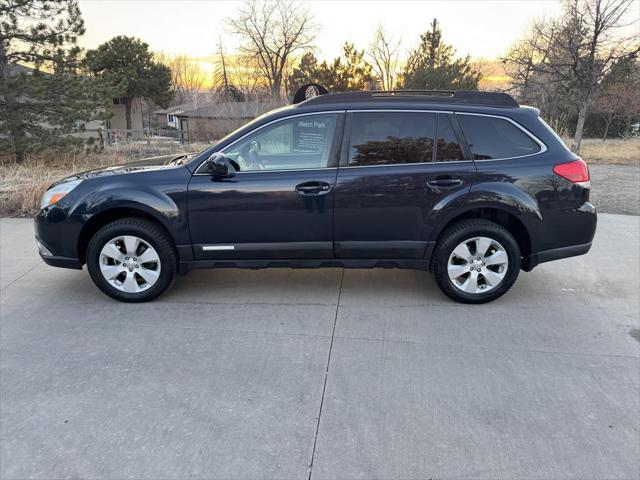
(170, 211)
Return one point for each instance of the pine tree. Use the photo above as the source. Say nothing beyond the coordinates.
(127, 65)
(431, 66)
(43, 100)
(347, 73)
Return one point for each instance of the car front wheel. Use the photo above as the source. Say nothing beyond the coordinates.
(132, 260)
(476, 261)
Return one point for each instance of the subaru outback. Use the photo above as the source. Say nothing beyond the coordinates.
(469, 185)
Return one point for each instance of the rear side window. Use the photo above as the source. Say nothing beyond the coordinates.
(494, 138)
(390, 138)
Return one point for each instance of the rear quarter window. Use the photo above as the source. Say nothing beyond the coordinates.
(492, 138)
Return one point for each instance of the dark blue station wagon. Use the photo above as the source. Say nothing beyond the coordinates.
(468, 185)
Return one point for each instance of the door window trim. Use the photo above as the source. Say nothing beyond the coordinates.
(346, 138)
(337, 140)
(344, 160)
(344, 121)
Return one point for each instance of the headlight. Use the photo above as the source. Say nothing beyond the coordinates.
(58, 192)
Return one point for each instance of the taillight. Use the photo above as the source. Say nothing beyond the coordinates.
(576, 172)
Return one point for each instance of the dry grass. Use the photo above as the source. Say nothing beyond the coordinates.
(22, 185)
(612, 152)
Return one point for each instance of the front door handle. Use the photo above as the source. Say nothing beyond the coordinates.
(445, 182)
(313, 188)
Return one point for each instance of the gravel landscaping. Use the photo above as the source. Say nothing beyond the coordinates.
(615, 188)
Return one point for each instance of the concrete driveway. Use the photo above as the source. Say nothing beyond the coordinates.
(323, 374)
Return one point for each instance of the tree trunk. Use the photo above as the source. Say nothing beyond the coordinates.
(275, 91)
(127, 114)
(607, 123)
(16, 130)
(19, 157)
(276, 86)
(606, 127)
(577, 138)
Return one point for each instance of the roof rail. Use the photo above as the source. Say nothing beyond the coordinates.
(468, 97)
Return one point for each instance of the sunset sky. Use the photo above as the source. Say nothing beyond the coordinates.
(479, 28)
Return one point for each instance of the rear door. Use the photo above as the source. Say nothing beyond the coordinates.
(396, 167)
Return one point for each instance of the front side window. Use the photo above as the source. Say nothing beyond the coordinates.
(494, 138)
(388, 138)
(294, 143)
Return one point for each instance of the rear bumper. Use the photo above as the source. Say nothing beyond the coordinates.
(531, 261)
(574, 229)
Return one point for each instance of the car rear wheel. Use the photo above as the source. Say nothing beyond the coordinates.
(132, 260)
(476, 261)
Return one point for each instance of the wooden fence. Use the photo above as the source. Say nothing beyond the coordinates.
(112, 136)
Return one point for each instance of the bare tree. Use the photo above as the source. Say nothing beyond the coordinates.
(574, 53)
(236, 77)
(522, 59)
(619, 100)
(188, 79)
(532, 85)
(223, 70)
(273, 32)
(247, 77)
(384, 56)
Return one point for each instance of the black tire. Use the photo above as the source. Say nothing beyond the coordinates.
(465, 230)
(151, 233)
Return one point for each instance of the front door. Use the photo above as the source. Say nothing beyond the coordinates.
(395, 173)
(280, 202)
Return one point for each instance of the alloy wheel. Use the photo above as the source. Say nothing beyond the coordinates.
(129, 264)
(477, 265)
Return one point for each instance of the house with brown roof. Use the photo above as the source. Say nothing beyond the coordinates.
(166, 117)
(214, 120)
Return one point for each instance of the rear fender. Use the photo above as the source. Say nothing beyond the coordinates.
(496, 196)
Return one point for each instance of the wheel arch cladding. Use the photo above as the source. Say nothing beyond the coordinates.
(502, 217)
(99, 220)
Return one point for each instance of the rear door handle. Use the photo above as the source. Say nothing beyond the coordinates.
(313, 188)
(447, 182)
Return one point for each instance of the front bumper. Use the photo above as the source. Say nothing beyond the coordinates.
(57, 238)
(56, 260)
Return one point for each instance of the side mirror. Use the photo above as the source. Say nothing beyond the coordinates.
(220, 166)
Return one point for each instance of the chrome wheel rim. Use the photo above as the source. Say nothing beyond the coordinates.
(129, 264)
(477, 265)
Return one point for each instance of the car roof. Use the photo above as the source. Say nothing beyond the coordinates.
(497, 103)
(436, 97)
